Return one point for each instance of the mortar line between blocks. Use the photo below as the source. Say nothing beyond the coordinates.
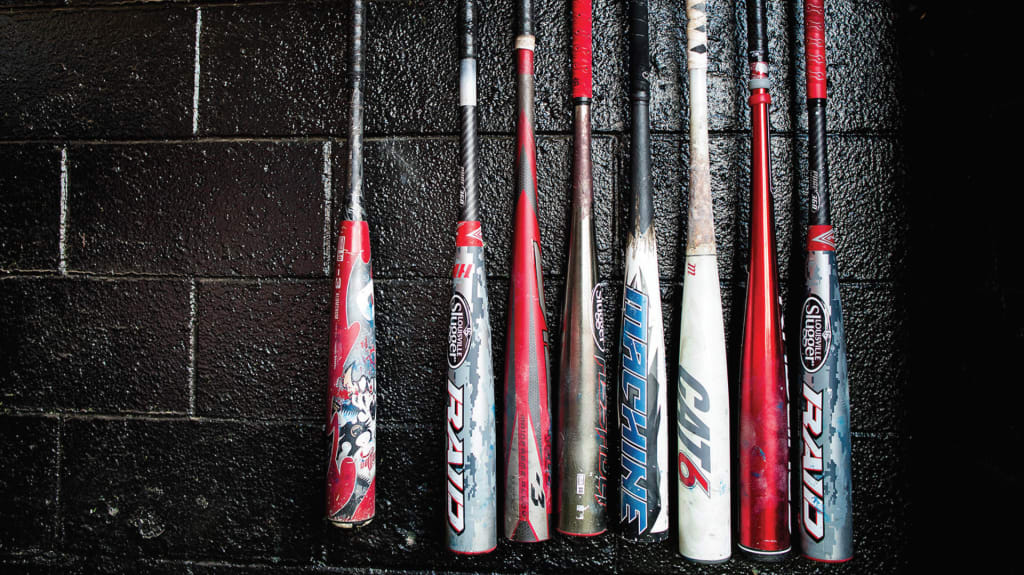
(192, 307)
(62, 242)
(195, 78)
(58, 517)
(327, 207)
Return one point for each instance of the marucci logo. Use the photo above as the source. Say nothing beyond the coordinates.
(815, 334)
(694, 433)
(460, 331)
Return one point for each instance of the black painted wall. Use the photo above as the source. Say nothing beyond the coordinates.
(169, 184)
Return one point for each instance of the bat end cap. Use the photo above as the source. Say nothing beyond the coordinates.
(765, 556)
(349, 524)
(706, 561)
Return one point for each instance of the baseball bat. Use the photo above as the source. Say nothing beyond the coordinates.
(764, 529)
(702, 400)
(582, 409)
(527, 423)
(826, 506)
(643, 395)
(352, 401)
(471, 462)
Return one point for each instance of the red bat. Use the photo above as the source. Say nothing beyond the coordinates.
(352, 390)
(527, 424)
(764, 411)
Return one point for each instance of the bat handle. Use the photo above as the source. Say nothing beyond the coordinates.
(696, 35)
(582, 76)
(814, 41)
(639, 50)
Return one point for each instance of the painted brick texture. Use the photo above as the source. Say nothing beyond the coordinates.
(170, 184)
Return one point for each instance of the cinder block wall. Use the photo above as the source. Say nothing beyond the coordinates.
(170, 175)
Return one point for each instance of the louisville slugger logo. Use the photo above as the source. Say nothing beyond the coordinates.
(634, 409)
(460, 330)
(597, 303)
(694, 434)
(813, 505)
(815, 334)
(456, 458)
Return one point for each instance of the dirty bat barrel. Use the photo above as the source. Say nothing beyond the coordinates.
(527, 421)
(470, 458)
(702, 399)
(352, 388)
(582, 410)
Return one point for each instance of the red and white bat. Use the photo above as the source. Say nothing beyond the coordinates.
(352, 390)
(527, 424)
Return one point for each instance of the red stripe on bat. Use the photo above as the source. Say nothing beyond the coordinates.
(814, 40)
(462, 270)
(690, 475)
(524, 63)
(469, 234)
(821, 239)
